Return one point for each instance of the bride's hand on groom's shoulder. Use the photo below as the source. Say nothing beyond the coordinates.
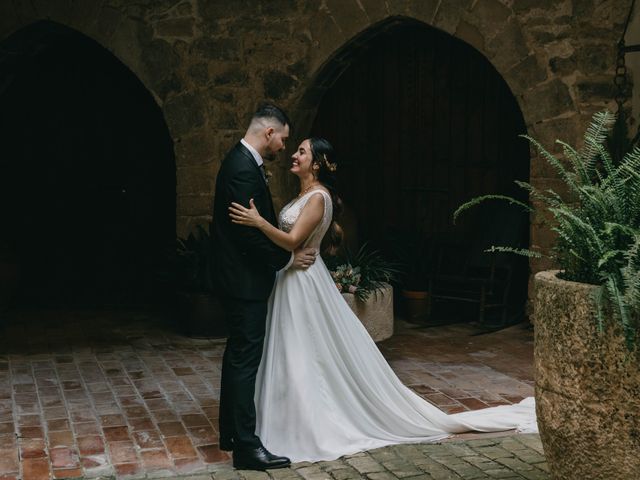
(245, 216)
(304, 258)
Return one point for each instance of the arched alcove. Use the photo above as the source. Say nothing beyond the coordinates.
(87, 172)
(423, 122)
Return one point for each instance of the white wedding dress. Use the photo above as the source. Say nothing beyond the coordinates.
(324, 389)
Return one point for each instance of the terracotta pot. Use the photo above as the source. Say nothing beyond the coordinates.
(416, 305)
(200, 315)
(587, 386)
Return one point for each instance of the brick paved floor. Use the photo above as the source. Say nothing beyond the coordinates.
(98, 394)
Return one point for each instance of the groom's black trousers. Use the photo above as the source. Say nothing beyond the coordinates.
(246, 323)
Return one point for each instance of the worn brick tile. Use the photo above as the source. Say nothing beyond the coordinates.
(194, 420)
(32, 448)
(473, 403)
(7, 427)
(164, 416)
(148, 439)
(9, 460)
(212, 454)
(59, 424)
(203, 435)
(31, 432)
(112, 420)
(83, 416)
(171, 429)
(90, 445)
(180, 447)
(188, 465)
(136, 411)
(63, 458)
(127, 469)
(35, 469)
(122, 452)
(60, 439)
(88, 428)
(67, 473)
(157, 404)
(114, 434)
(141, 424)
(156, 459)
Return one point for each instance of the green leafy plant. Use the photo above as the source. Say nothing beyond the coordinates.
(193, 262)
(597, 221)
(363, 273)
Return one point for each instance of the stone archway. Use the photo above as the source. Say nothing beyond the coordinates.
(88, 172)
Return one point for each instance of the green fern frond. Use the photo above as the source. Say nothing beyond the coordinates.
(475, 201)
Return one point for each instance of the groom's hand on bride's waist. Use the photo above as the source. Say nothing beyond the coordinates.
(304, 257)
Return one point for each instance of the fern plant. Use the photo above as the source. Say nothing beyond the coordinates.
(597, 220)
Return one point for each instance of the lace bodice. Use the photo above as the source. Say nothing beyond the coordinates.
(291, 211)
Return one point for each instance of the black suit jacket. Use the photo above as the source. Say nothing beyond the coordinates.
(246, 259)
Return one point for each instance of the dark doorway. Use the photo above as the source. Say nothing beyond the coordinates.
(87, 173)
(422, 122)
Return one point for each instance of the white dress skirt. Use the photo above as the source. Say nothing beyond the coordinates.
(324, 390)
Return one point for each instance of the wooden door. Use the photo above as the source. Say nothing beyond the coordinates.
(421, 122)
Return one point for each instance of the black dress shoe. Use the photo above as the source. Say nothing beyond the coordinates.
(226, 445)
(257, 459)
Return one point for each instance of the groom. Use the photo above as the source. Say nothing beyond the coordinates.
(247, 263)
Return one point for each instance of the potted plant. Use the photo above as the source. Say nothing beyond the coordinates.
(198, 312)
(364, 280)
(587, 363)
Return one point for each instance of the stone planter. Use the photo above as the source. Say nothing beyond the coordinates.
(587, 387)
(376, 314)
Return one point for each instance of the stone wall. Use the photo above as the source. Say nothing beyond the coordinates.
(209, 62)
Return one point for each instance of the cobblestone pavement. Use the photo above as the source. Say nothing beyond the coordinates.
(95, 394)
(506, 458)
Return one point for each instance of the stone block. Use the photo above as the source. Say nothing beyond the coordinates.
(547, 101)
(193, 205)
(159, 59)
(175, 28)
(508, 47)
(450, 13)
(596, 59)
(195, 180)
(184, 113)
(423, 10)
(491, 14)
(348, 15)
(376, 314)
(197, 149)
(277, 84)
(595, 90)
(526, 74)
(217, 48)
(470, 34)
(199, 73)
(563, 66)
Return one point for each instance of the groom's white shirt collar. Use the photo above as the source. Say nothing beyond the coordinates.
(253, 151)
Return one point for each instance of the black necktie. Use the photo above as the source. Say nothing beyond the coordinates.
(264, 173)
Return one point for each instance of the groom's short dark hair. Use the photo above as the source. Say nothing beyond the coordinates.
(269, 110)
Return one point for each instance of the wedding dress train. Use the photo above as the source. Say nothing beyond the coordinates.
(324, 390)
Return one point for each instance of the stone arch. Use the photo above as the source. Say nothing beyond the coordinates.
(107, 26)
(73, 154)
(521, 68)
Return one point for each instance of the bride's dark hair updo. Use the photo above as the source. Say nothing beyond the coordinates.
(324, 156)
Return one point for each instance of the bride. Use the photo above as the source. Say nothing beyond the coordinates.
(323, 388)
